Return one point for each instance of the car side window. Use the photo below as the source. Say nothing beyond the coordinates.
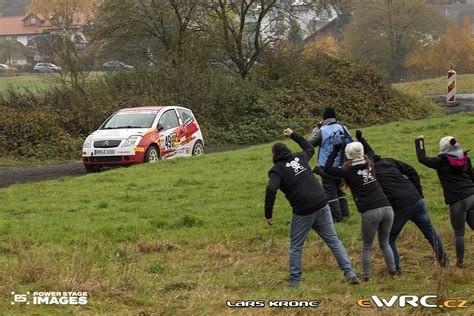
(186, 116)
(168, 120)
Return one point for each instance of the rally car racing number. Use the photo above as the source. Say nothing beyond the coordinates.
(168, 142)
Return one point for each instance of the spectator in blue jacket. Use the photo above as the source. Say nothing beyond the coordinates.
(325, 135)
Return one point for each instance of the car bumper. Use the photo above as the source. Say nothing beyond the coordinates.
(119, 159)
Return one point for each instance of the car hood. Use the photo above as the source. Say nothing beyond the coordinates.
(122, 133)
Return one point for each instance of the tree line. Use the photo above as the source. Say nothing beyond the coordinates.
(403, 38)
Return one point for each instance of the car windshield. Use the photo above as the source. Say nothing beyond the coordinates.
(131, 119)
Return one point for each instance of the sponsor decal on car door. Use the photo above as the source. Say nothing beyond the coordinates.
(188, 130)
(168, 127)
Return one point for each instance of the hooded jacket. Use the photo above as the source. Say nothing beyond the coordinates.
(455, 174)
(399, 181)
(361, 178)
(292, 174)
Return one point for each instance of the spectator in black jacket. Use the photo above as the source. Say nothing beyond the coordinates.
(401, 184)
(292, 174)
(377, 213)
(455, 174)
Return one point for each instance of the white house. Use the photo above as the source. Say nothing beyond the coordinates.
(277, 22)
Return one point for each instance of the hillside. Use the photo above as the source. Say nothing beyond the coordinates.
(183, 236)
(465, 84)
(13, 7)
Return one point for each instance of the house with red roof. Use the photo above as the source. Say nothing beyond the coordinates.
(23, 28)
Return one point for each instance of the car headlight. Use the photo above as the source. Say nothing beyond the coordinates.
(132, 141)
(87, 142)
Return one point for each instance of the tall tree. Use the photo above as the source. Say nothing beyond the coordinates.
(384, 32)
(11, 50)
(162, 27)
(241, 29)
(454, 49)
(67, 16)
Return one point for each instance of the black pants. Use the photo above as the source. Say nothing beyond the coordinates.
(460, 213)
(336, 199)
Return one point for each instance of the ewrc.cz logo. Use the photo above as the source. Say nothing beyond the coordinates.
(427, 301)
(50, 298)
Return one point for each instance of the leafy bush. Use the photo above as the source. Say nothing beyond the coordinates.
(289, 90)
(35, 134)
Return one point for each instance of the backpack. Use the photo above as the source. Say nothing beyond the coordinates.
(347, 138)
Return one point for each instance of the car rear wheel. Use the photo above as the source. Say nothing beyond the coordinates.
(152, 154)
(92, 169)
(198, 148)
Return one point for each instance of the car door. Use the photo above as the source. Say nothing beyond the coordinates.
(168, 129)
(188, 128)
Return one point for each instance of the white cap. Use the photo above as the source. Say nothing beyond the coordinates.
(445, 142)
(354, 150)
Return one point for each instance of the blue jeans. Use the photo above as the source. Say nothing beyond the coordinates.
(321, 221)
(418, 214)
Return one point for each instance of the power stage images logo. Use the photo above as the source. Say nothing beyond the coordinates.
(49, 298)
(427, 301)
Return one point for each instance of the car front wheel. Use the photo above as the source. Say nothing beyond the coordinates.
(152, 154)
(198, 148)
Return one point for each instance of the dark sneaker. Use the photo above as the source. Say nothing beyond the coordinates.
(394, 272)
(444, 263)
(366, 278)
(399, 271)
(353, 280)
(460, 265)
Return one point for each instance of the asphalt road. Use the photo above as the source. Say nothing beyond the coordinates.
(21, 174)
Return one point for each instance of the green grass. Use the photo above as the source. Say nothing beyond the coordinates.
(183, 236)
(34, 81)
(30, 82)
(465, 84)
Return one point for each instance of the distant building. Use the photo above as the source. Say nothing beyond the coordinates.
(24, 29)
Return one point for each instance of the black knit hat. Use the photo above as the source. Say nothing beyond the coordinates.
(280, 150)
(329, 113)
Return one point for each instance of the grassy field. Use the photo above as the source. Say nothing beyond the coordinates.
(34, 81)
(183, 236)
(465, 84)
(30, 81)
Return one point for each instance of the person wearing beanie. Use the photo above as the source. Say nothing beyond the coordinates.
(401, 184)
(292, 174)
(457, 180)
(371, 202)
(325, 135)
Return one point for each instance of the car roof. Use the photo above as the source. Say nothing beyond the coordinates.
(146, 108)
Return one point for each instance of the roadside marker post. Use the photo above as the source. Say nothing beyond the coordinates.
(451, 96)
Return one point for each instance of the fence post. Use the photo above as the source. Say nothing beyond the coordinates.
(451, 96)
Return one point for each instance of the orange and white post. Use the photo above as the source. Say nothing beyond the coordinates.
(451, 96)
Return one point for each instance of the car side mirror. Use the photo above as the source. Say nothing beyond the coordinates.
(160, 127)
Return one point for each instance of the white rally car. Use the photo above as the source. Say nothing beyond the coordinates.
(143, 134)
